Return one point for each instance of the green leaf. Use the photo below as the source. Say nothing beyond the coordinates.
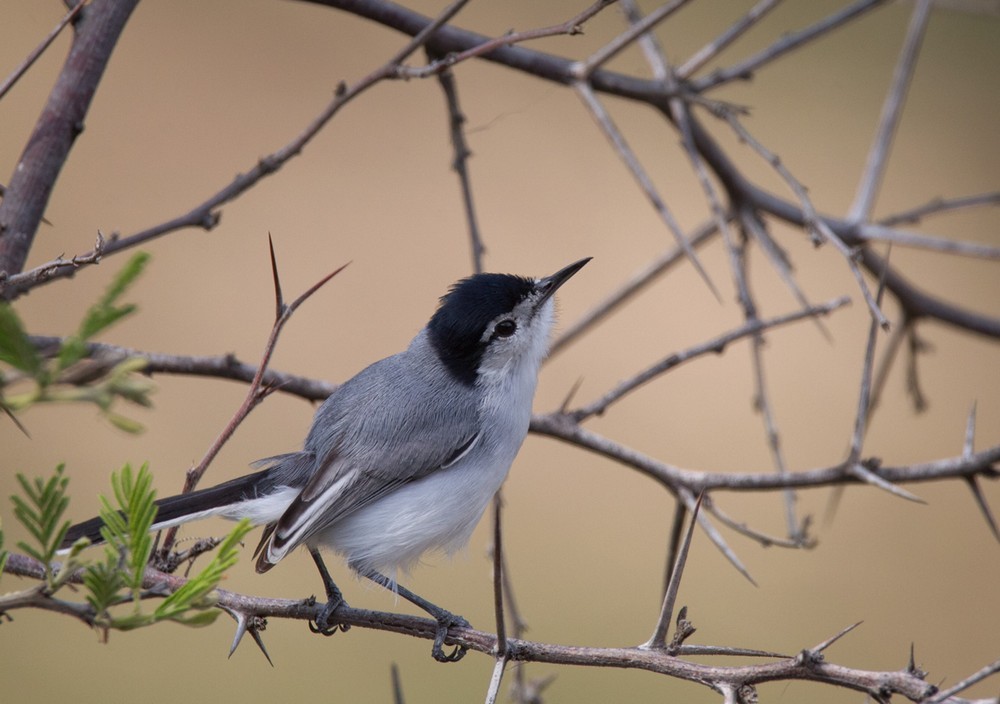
(196, 593)
(126, 528)
(41, 514)
(104, 312)
(103, 581)
(125, 423)
(15, 347)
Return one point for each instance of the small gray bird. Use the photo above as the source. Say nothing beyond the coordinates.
(404, 457)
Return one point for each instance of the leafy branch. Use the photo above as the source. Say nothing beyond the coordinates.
(67, 376)
(121, 576)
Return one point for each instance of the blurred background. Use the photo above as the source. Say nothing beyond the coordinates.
(196, 92)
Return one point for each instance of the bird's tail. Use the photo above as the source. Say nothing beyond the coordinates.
(220, 500)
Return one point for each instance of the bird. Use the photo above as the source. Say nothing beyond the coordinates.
(404, 457)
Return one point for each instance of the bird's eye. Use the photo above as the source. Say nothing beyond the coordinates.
(505, 328)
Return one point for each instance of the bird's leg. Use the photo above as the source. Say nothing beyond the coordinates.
(334, 600)
(445, 619)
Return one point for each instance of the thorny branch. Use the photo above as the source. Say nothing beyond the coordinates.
(806, 665)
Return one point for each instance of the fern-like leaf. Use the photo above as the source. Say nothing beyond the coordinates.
(41, 514)
(104, 313)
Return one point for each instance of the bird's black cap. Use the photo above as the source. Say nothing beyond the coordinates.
(456, 329)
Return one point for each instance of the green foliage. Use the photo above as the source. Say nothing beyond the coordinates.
(104, 313)
(117, 579)
(58, 379)
(15, 348)
(197, 593)
(41, 513)
(126, 529)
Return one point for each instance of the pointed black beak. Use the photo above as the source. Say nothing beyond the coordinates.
(550, 284)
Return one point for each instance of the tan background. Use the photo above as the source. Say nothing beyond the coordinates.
(198, 91)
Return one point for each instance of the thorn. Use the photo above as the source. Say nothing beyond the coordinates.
(279, 301)
(977, 494)
(245, 624)
(970, 433)
(397, 684)
(869, 477)
(242, 623)
(20, 426)
(911, 666)
(255, 634)
(569, 396)
(833, 639)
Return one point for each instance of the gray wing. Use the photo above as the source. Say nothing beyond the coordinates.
(393, 423)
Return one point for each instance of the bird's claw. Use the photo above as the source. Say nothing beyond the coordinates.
(445, 621)
(321, 624)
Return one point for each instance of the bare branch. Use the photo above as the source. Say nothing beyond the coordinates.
(460, 165)
(61, 121)
(745, 69)
(631, 161)
(714, 346)
(437, 66)
(878, 157)
(732, 33)
(649, 659)
(31, 58)
(979, 676)
(938, 206)
(658, 639)
(583, 69)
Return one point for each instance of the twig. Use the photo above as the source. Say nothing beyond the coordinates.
(968, 447)
(256, 392)
(937, 206)
(878, 155)
(47, 150)
(583, 69)
(788, 42)
(817, 227)
(31, 58)
(797, 540)
(563, 428)
(460, 165)
(716, 345)
(659, 637)
(438, 66)
(880, 233)
(972, 679)
(892, 347)
(223, 366)
(496, 678)
(762, 399)
(498, 578)
(205, 214)
(732, 33)
(631, 162)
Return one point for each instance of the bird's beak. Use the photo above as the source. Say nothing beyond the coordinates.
(550, 284)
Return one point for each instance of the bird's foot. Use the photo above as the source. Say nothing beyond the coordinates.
(322, 624)
(445, 620)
